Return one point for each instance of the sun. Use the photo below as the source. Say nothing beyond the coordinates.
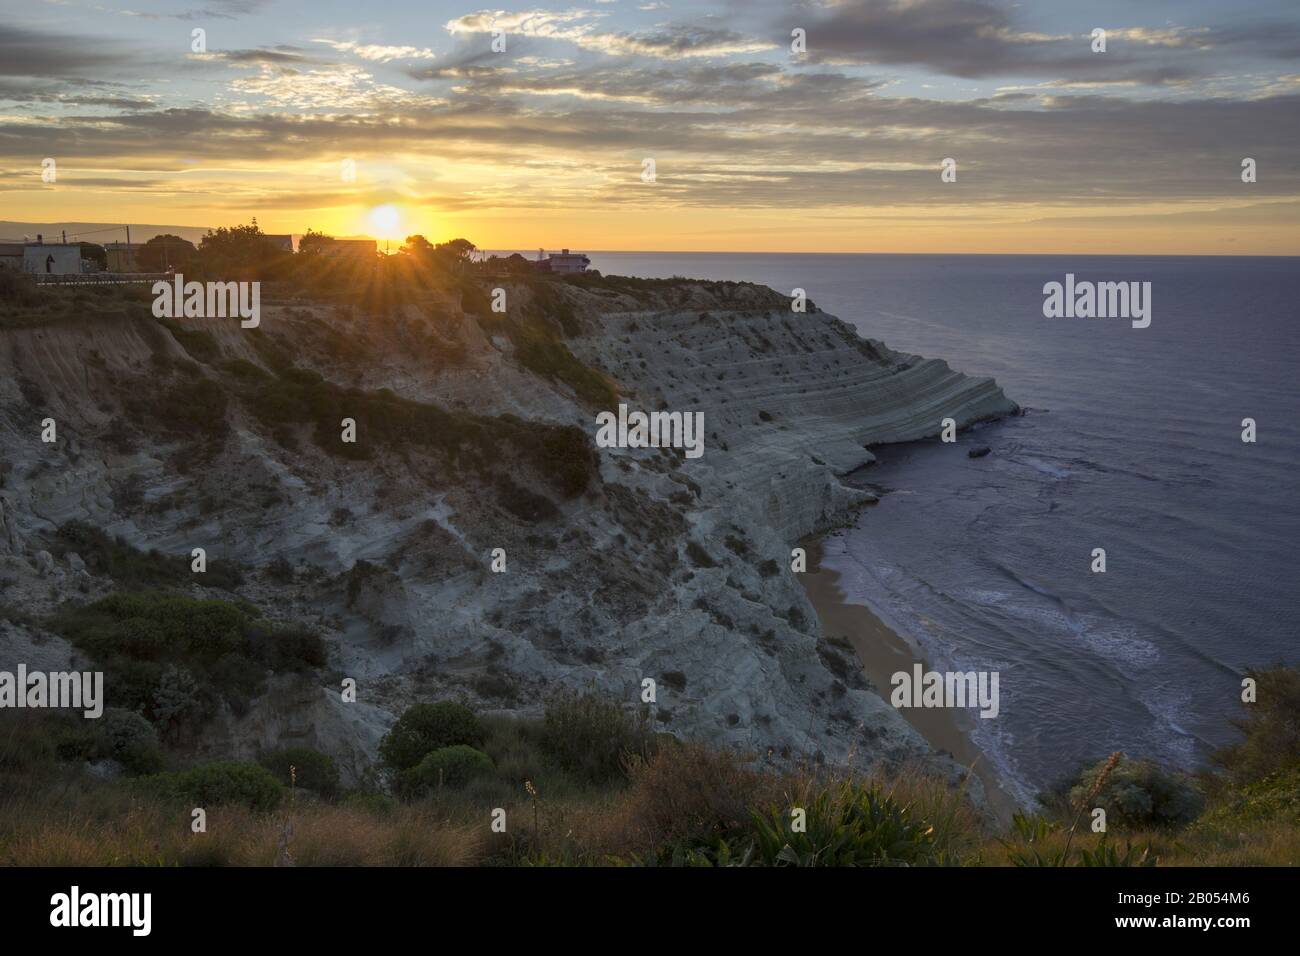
(386, 222)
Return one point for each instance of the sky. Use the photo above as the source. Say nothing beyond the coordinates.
(387, 119)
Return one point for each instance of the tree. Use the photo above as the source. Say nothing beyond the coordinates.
(1270, 725)
(238, 248)
(95, 252)
(417, 246)
(445, 256)
(515, 263)
(455, 253)
(424, 728)
(165, 252)
(312, 241)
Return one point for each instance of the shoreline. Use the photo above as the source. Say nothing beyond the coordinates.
(882, 652)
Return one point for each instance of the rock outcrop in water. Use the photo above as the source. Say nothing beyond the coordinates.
(651, 565)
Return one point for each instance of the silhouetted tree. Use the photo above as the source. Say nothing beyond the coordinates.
(165, 252)
(312, 241)
(243, 249)
(95, 252)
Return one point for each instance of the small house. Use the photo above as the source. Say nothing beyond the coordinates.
(565, 262)
(40, 259)
(122, 256)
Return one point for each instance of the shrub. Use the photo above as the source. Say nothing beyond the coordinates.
(18, 289)
(592, 737)
(554, 360)
(699, 557)
(171, 657)
(200, 345)
(689, 794)
(189, 408)
(561, 455)
(524, 503)
(128, 566)
(312, 769)
(1270, 726)
(1141, 793)
(128, 738)
(176, 698)
(451, 767)
(224, 782)
(846, 824)
(424, 728)
(1248, 806)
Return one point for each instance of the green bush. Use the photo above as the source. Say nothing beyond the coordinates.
(171, 657)
(224, 782)
(848, 824)
(1246, 806)
(424, 728)
(593, 737)
(699, 557)
(312, 769)
(191, 408)
(553, 360)
(561, 455)
(1141, 793)
(523, 503)
(450, 767)
(131, 567)
(1270, 727)
(128, 738)
(845, 824)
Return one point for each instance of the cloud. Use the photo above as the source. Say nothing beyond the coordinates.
(33, 53)
(725, 136)
(219, 10)
(979, 38)
(565, 25)
(672, 41)
(675, 42)
(728, 130)
(282, 54)
(379, 52)
(339, 88)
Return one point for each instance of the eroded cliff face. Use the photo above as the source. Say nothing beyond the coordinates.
(662, 567)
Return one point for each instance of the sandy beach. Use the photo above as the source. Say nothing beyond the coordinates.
(882, 652)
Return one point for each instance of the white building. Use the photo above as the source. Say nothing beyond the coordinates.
(40, 259)
(564, 262)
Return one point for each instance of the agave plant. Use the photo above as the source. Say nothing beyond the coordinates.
(1107, 855)
(1032, 832)
(847, 824)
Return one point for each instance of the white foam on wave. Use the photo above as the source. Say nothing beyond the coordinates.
(1112, 640)
(1042, 467)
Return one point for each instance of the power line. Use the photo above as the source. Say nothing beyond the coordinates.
(75, 235)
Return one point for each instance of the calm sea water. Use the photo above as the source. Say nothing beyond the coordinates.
(1132, 444)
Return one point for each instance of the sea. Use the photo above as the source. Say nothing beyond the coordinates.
(1131, 443)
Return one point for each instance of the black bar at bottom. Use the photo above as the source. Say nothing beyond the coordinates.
(333, 905)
